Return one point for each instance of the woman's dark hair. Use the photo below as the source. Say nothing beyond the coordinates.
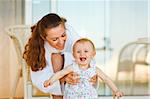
(34, 53)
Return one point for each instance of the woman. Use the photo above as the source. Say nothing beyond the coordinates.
(50, 38)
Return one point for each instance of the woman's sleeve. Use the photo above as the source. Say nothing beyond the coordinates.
(38, 78)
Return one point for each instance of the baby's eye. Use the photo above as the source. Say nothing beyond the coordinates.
(85, 51)
(78, 51)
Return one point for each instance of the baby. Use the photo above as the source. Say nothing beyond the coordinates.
(83, 52)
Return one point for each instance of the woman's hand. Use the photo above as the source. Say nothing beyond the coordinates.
(93, 80)
(72, 78)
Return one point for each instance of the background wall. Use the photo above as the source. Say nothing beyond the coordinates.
(11, 13)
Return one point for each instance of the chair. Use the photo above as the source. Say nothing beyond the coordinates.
(131, 56)
(19, 34)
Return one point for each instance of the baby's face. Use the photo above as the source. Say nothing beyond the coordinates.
(83, 52)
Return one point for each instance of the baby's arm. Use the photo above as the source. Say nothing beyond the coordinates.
(108, 81)
(58, 75)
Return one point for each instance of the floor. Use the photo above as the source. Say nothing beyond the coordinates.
(109, 97)
(128, 97)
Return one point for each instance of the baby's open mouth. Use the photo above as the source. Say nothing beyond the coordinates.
(82, 58)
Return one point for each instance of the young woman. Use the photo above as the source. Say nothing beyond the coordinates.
(51, 36)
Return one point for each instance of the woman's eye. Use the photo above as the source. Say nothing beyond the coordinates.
(63, 35)
(55, 39)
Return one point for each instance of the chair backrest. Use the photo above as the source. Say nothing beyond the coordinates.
(125, 62)
(19, 35)
(131, 56)
(133, 53)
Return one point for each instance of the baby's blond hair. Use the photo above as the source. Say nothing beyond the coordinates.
(85, 40)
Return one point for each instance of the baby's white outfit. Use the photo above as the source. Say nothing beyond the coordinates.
(84, 89)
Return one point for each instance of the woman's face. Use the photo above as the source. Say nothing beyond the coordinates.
(56, 37)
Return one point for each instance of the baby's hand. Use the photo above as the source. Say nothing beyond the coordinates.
(119, 94)
(47, 83)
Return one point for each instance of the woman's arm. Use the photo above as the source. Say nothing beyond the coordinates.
(72, 78)
(108, 81)
(58, 75)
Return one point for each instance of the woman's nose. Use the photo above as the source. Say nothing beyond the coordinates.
(61, 41)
